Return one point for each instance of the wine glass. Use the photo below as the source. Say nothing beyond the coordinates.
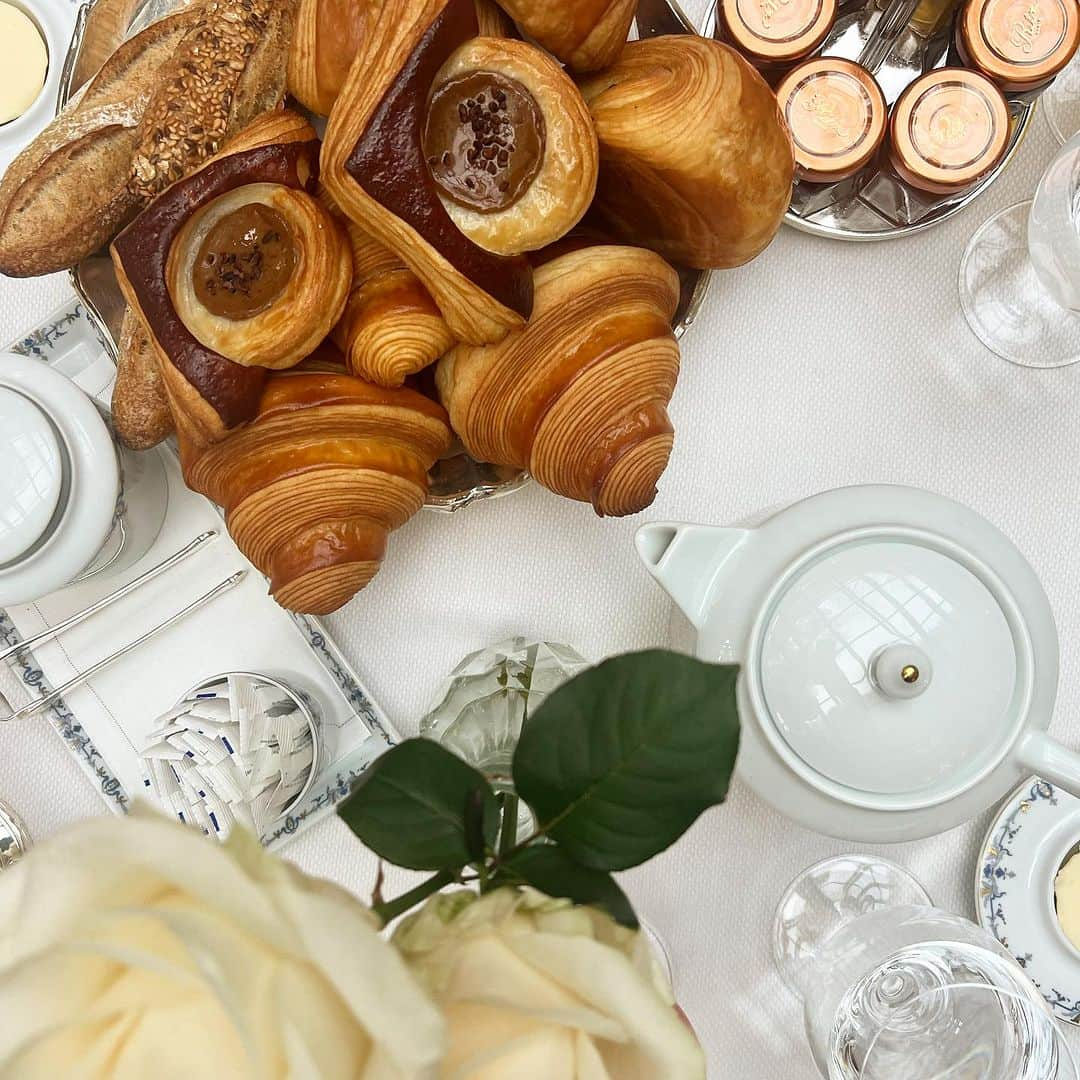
(1020, 275)
(855, 932)
(1060, 102)
(943, 1010)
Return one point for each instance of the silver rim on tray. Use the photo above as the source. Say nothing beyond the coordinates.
(855, 217)
(457, 480)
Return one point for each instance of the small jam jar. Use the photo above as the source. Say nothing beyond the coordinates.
(837, 116)
(775, 34)
(949, 128)
(74, 503)
(1018, 44)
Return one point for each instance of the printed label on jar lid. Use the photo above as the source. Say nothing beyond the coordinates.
(778, 30)
(1026, 31)
(25, 65)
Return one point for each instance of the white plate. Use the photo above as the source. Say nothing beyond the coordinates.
(1034, 830)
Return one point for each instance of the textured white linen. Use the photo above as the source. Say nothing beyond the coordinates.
(820, 364)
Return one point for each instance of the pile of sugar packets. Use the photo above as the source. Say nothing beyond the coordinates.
(239, 750)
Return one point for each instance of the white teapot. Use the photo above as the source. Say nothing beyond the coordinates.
(899, 657)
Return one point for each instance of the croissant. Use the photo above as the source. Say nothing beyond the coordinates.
(696, 161)
(391, 327)
(579, 396)
(233, 269)
(327, 37)
(374, 167)
(312, 487)
(585, 34)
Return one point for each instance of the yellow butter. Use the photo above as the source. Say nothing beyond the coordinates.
(1067, 894)
(24, 63)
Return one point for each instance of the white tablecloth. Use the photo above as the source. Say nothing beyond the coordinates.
(820, 364)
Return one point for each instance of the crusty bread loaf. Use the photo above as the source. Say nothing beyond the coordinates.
(140, 407)
(163, 103)
(67, 193)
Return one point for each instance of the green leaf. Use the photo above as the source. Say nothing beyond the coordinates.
(412, 807)
(620, 761)
(548, 868)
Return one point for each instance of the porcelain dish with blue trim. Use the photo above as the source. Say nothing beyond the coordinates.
(1036, 829)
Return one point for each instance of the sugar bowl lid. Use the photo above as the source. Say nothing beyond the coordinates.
(894, 662)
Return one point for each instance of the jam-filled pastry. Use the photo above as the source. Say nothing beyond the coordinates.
(579, 396)
(391, 327)
(140, 407)
(312, 487)
(236, 269)
(511, 146)
(584, 34)
(376, 169)
(696, 161)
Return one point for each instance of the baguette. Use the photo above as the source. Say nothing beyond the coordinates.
(140, 406)
(67, 193)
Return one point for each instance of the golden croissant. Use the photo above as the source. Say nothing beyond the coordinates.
(391, 327)
(585, 34)
(696, 161)
(312, 487)
(579, 395)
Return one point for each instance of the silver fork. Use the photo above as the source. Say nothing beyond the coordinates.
(43, 702)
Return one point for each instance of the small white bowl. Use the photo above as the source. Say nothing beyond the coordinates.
(56, 21)
(1033, 833)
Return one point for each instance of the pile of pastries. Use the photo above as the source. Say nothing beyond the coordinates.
(502, 194)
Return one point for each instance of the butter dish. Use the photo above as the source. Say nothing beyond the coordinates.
(55, 21)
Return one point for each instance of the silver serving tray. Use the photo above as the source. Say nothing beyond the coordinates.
(457, 480)
(875, 205)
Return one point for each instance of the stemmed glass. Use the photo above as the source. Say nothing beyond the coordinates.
(1020, 275)
(881, 974)
(1060, 102)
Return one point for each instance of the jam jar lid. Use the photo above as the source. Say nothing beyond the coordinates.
(894, 665)
(777, 31)
(949, 128)
(60, 499)
(1020, 44)
(837, 116)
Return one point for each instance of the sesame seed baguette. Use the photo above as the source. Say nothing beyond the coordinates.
(66, 194)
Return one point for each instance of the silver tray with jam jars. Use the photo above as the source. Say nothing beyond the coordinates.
(457, 480)
(897, 41)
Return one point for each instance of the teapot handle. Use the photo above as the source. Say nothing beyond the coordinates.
(1051, 761)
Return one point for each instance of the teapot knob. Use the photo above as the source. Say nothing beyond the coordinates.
(901, 671)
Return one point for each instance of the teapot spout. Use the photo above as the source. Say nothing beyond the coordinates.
(688, 561)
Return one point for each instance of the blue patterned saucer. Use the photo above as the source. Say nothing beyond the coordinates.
(1036, 828)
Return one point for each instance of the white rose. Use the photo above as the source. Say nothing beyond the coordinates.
(537, 989)
(135, 949)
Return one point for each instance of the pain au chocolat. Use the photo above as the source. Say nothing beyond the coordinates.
(696, 161)
(327, 37)
(579, 396)
(312, 487)
(434, 142)
(173, 267)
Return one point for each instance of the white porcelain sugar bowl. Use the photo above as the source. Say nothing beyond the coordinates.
(73, 502)
(899, 657)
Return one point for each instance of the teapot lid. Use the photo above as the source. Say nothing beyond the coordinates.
(893, 666)
(32, 478)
